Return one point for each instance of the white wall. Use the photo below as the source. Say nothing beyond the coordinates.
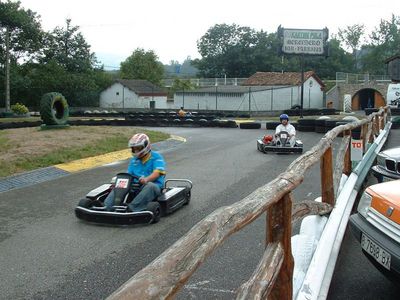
(277, 98)
(118, 96)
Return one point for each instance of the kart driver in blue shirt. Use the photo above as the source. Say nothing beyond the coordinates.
(149, 166)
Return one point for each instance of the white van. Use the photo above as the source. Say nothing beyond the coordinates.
(393, 95)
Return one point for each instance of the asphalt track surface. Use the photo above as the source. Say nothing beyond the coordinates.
(46, 253)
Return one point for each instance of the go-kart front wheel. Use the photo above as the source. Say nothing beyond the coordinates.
(85, 203)
(155, 208)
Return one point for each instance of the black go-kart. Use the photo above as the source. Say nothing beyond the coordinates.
(281, 144)
(126, 187)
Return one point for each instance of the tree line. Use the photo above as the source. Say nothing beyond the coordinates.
(34, 62)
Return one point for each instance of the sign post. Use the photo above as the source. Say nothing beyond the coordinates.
(303, 42)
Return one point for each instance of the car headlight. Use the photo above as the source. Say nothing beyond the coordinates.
(381, 160)
(364, 204)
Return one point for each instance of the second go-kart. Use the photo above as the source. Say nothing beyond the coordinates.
(281, 144)
(126, 187)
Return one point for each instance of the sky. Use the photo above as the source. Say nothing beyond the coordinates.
(171, 28)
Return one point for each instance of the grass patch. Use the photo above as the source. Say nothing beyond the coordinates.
(4, 142)
(66, 154)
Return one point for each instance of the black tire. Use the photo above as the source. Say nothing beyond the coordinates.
(85, 203)
(306, 128)
(321, 129)
(272, 124)
(54, 109)
(306, 122)
(250, 125)
(188, 196)
(155, 208)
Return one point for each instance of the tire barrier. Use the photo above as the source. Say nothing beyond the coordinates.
(311, 111)
(250, 125)
(54, 109)
(306, 125)
(271, 124)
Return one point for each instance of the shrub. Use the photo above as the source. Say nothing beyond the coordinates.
(19, 109)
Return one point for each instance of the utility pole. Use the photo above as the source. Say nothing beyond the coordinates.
(7, 69)
(302, 86)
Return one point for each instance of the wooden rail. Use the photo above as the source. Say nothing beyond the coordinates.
(272, 278)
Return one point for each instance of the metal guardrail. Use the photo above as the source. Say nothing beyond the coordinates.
(319, 274)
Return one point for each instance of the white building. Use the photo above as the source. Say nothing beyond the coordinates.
(124, 93)
(264, 91)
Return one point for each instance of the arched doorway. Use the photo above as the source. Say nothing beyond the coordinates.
(367, 98)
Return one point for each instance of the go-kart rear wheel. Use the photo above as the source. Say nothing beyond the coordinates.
(155, 208)
(85, 203)
(188, 196)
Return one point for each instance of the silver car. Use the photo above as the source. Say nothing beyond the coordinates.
(387, 165)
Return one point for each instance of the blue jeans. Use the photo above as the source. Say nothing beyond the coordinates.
(148, 193)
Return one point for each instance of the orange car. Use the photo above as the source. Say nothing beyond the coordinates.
(377, 226)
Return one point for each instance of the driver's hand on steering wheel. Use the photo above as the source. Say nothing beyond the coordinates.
(143, 180)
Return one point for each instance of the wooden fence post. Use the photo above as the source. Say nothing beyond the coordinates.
(279, 229)
(364, 131)
(376, 119)
(347, 169)
(327, 190)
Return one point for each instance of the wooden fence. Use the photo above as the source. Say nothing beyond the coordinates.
(272, 278)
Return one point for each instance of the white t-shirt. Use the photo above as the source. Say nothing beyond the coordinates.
(289, 128)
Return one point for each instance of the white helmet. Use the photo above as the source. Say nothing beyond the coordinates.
(140, 141)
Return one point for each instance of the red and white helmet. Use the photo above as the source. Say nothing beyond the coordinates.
(140, 145)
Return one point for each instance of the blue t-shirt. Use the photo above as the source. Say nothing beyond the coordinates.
(143, 168)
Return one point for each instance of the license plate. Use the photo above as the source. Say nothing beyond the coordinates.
(376, 251)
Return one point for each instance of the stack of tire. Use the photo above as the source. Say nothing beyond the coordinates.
(320, 124)
(307, 125)
(356, 132)
(250, 125)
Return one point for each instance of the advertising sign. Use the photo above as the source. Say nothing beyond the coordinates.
(303, 41)
(356, 151)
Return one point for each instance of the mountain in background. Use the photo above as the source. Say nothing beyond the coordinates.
(184, 70)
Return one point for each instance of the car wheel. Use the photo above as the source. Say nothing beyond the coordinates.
(155, 208)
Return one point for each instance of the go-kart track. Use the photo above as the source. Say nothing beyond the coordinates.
(48, 253)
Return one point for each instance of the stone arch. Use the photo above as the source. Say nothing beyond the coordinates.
(367, 98)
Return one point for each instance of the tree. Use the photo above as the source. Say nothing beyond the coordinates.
(351, 37)
(20, 30)
(180, 85)
(144, 65)
(223, 48)
(68, 47)
(338, 61)
(236, 51)
(384, 43)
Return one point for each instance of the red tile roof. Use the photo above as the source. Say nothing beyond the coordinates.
(277, 78)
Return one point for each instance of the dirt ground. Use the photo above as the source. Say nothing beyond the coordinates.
(24, 142)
